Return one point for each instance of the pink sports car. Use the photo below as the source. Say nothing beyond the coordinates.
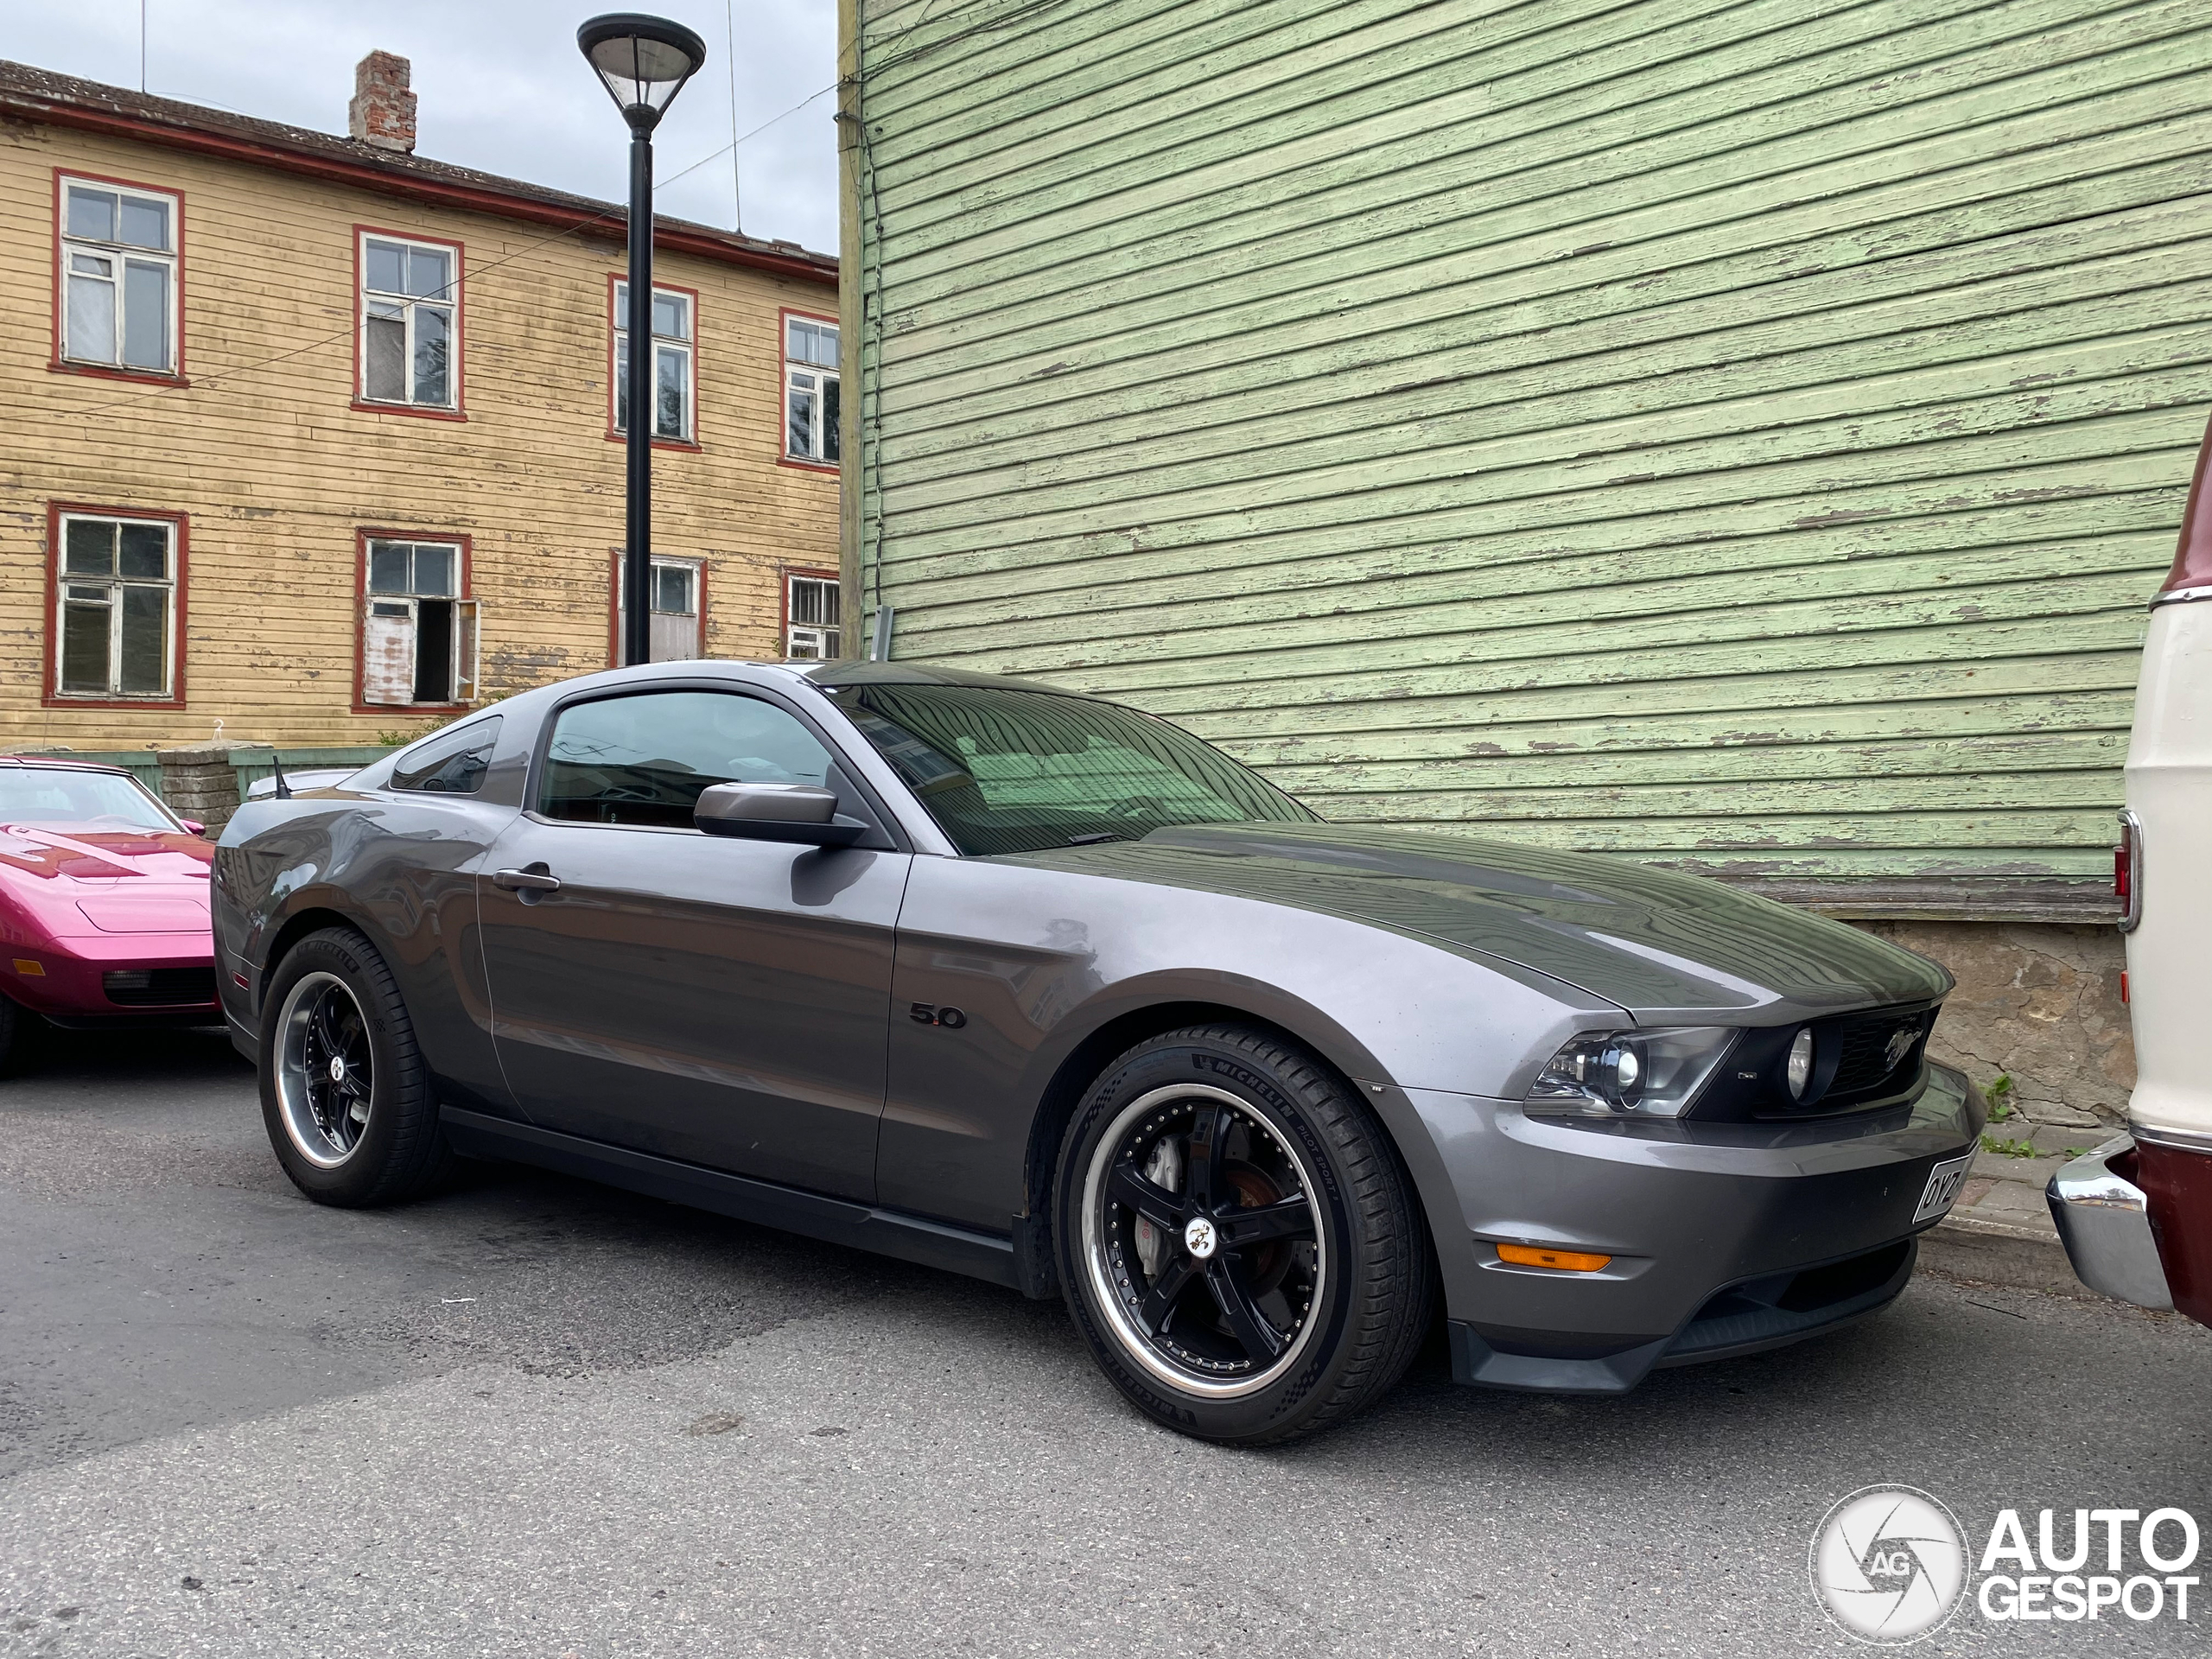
(103, 905)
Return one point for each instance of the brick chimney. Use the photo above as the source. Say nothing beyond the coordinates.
(383, 110)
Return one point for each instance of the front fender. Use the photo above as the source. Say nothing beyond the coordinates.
(1041, 962)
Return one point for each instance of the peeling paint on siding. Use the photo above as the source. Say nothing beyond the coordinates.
(1279, 369)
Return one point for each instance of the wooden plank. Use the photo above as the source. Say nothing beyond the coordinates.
(1737, 437)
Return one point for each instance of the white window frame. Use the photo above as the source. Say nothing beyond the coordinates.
(808, 382)
(409, 308)
(68, 591)
(117, 256)
(685, 348)
(815, 641)
(695, 571)
(392, 628)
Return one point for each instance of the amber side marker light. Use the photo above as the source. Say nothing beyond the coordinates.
(28, 969)
(1527, 1255)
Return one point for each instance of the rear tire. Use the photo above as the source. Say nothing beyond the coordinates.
(333, 1014)
(1238, 1243)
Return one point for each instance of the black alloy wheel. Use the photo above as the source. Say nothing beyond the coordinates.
(1199, 1216)
(326, 1074)
(1238, 1243)
(344, 1093)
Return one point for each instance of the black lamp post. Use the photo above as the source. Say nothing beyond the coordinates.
(643, 62)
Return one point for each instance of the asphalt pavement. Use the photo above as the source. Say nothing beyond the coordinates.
(531, 1416)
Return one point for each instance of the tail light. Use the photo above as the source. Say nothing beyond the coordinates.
(2127, 871)
(2192, 576)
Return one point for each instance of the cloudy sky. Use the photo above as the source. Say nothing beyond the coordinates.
(500, 84)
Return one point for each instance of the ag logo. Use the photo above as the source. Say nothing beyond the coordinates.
(1889, 1564)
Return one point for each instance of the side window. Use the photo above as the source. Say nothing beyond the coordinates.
(419, 636)
(410, 297)
(810, 390)
(672, 363)
(118, 252)
(644, 759)
(451, 763)
(116, 593)
(812, 632)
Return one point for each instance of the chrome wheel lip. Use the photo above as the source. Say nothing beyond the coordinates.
(295, 1105)
(1134, 1342)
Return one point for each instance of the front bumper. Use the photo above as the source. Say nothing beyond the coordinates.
(2104, 1220)
(70, 985)
(1725, 1238)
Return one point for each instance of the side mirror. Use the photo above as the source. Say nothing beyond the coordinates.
(193, 826)
(787, 812)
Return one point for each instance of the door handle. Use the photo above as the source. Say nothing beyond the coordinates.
(533, 880)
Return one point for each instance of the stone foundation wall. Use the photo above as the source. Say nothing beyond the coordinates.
(2038, 1002)
(200, 783)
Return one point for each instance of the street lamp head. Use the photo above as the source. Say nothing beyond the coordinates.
(644, 62)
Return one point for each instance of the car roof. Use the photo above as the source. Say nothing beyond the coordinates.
(62, 763)
(828, 674)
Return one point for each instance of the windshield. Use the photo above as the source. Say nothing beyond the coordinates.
(1013, 772)
(53, 795)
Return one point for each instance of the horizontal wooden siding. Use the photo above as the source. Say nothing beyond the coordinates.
(1739, 436)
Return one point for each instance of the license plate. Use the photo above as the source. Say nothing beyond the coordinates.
(1943, 1183)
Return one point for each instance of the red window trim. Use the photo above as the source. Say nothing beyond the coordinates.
(363, 535)
(783, 574)
(50, 681)
(418, 411)
(59, 364)
(614, 598)
(784, 456)
(694, 444)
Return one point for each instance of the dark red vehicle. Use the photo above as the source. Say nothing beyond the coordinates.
(103, 905)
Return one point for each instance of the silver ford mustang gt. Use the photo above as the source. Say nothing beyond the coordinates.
(1032, 987)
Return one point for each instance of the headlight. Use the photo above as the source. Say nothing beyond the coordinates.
(1629, 1073)
(1798, 1072)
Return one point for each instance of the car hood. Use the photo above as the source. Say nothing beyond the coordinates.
(1658, 944)
(83, 853)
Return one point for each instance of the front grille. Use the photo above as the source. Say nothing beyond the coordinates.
(1864, 1069)
(159, 987)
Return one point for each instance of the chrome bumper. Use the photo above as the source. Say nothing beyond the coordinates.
(2105, 1223)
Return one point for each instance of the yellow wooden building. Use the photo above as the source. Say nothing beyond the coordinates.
(316, 438)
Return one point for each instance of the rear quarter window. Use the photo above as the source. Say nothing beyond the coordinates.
(451, 762)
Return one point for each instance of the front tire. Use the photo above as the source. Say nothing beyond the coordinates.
(1238, 1243)
(344, 1095)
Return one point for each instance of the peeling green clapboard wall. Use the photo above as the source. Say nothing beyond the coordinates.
(1741, 435)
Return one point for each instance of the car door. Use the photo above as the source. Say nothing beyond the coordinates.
(720, 1000)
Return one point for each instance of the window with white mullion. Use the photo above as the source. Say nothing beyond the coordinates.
(119, 268)
(117, 607)
(672, 592)
(409, 304)
(672, 392)
(419, 630)
(813, 629)
(811, 389)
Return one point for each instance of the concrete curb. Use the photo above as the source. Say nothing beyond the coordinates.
(1999, 1253)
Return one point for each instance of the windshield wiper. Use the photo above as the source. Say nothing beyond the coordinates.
(1093, 839)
